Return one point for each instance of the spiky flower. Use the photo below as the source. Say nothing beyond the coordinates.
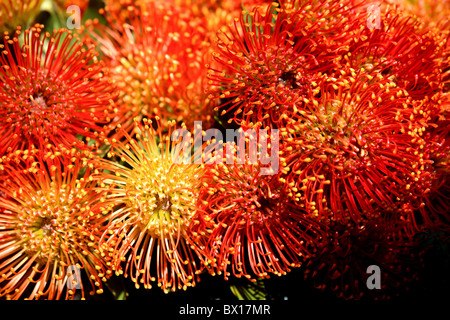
(51, 220)
(153, 198)
(156, 58)
(271, 61)
(219, 13)
(350, 248)
(17, 12)
(245, 225)
(356, 147)
(53, 91)
(402, 49)
(120, 7)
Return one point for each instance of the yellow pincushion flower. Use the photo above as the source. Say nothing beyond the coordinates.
(154, 197)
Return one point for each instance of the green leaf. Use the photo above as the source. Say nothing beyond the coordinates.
(250, 291)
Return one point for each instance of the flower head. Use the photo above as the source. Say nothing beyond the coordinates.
(403, 50)
(269, 62)
(156, 58)
(348, 250)
(51, 220)
(245, 223)
(63, 5)
(353, 148)
(219, 13)
(153, 199)
(431, 11)
(53, 91)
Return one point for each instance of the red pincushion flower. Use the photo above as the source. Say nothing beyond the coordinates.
(51, 220)
(153, 196)
(402, 50)
(353, 149)
(53, 90)
(157, 59)
(351, 247)
(445, 64)
(245, 226)
(270, 62)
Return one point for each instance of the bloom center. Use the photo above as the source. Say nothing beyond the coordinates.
(338, 129)
(289, 79)
(161, 202)
(46, 224)
(37, 104)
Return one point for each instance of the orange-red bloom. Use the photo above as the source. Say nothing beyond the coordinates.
(51, 220)
(351, 247)
(429, 195)
(53, 91)
(432, 12)
(271, 61)
(403, 50)
(219, 13)
(156, 58)
(246, 226)
(356, 147)
(64, 4)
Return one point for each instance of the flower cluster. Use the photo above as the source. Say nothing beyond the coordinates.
(113, 161)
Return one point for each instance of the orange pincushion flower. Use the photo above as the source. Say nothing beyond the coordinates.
(120, 7)
(157, 60)
(52, 91)
(17, 12)
(219, 13)
(445, 66)
(64, 4)
(65, 8)
(245, 223)
(153, 196)
(51, 220)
